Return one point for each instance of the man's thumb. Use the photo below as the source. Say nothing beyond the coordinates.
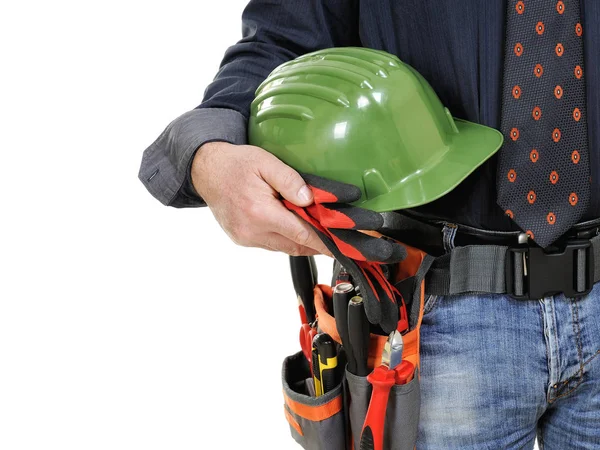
(288, 183)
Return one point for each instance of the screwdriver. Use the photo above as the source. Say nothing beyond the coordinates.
(359, 332)
(342, 293)
(324, 360)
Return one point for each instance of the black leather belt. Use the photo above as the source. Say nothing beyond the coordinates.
(423, 233)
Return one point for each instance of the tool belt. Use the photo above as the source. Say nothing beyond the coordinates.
(502, 262)
(467, 260)
(335, 419)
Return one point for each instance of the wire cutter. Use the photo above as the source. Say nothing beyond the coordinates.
(392, 371)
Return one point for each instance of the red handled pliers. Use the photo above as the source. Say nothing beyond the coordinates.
(392, 371)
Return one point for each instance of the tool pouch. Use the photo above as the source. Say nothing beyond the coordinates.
(334, 420)
(316, 423)
(402, 415)
(403, 409)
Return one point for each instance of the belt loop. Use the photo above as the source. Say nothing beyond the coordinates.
(448, 235)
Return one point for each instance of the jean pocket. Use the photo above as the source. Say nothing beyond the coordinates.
(316, 423)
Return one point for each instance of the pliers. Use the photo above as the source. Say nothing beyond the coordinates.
(392, 371)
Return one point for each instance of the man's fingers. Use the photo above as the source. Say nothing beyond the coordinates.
(289, 225)
(278, 243)
(286, 181)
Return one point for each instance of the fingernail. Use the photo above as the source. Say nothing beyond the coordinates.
(305, 194)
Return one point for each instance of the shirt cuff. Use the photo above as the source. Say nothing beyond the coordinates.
(165, 168)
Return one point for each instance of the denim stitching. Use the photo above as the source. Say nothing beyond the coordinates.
(577, 331)
(579, 374)
(541, 303)
(553, 336)
(555, 330)
(589, 360)
(564, 394)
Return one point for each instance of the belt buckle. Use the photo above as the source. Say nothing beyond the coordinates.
(532, 273)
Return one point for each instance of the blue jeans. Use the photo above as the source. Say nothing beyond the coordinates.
(497, 372)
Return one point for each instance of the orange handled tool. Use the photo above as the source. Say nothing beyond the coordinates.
(392, 371)
(382, 380)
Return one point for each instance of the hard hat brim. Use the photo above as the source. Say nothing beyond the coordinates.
(470, 148)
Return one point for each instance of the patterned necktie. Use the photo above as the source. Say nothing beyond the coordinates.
(543, 168)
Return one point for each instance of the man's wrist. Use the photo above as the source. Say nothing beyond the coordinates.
(201, 163)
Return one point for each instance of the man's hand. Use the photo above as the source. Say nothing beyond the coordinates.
(241, 185)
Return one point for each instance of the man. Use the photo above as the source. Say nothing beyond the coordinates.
(496, 371)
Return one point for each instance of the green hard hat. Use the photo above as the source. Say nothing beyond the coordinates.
(364, 117)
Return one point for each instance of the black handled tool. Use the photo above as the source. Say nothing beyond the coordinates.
(342, 294)
(359, 332)
(314, 270)
(304, 281)
(325, 363)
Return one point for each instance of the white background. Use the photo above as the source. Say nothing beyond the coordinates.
(125, 324)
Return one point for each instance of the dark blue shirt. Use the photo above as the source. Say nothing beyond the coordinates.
(458, 46)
